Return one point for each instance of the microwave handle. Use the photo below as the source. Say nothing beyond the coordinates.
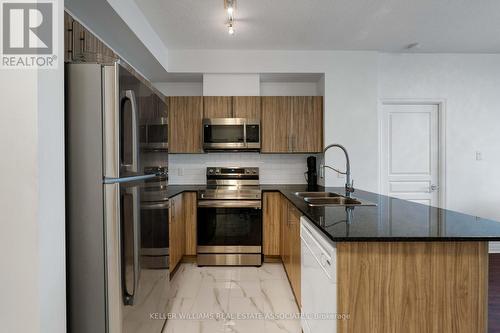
(245, 134)
(130, 95)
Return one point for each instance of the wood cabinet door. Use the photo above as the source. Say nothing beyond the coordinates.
(217, 107)
(172, 231)
(246, 107)
(176, 231)
(275, 123)
(185, 116)
(271, 223)
(295, 251)
(190, 210)
(307, 124)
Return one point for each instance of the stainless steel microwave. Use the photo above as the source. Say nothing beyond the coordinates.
(231, 134)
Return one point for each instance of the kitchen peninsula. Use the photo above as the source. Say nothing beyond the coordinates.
(397, 270)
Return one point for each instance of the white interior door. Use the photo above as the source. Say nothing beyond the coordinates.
(410, 152)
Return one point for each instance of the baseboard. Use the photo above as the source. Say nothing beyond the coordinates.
(272, 259)
(494, 247)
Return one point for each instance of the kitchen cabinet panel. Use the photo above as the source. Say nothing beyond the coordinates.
(246, 107)
(292, 124)
(307, 124)
(276, 118)
(185, 117)
(190, 205)
(176, 231)
(217, 107)
(271, 223)
(290, 244)
(294, 250)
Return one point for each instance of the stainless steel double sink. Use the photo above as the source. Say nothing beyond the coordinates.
(314, 199)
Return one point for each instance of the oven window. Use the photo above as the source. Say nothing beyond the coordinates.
(253, 134)
(223, 133)
(158, 133)
(154, 230)
(229, 226)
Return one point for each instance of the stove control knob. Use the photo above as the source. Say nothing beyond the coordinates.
(210, 171)
(254, 172)
(217, 171)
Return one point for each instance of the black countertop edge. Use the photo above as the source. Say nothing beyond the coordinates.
(403, 224)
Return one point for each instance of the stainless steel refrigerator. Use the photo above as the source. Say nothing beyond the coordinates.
(108, 290)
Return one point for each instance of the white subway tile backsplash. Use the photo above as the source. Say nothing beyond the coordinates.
(281, 169)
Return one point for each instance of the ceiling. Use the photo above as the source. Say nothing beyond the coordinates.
(384, 25)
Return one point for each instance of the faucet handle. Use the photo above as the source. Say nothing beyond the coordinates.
(350, 187)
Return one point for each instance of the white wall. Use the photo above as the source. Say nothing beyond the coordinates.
(351, 95)
(180, 88)
(191, 168)
(231, 84)
(289, 89)
(470, 87)
(32, 231)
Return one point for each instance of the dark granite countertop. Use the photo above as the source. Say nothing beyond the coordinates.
(391, 220)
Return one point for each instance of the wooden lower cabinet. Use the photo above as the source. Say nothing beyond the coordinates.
(290, 244)
(271, 223)
(412, 286)
(190, 217)
(176, 231)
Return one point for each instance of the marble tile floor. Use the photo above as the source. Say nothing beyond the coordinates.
(231, 300)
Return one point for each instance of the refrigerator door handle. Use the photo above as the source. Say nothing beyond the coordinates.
(130, 198)
(130, 96)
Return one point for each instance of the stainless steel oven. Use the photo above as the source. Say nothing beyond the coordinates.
(231, 134)
(154, 231)
(229, 228)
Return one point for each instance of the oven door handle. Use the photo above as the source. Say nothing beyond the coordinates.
(257, 204)
(155, 205)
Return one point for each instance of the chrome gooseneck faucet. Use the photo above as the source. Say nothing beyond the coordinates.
(349, 183)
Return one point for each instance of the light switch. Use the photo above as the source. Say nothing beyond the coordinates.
(180, 172)
(479, 156)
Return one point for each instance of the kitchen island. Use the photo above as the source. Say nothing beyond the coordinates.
(401, 266)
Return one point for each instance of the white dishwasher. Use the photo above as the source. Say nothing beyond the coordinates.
(318, 281)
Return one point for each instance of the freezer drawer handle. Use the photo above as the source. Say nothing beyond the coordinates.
(128, 235)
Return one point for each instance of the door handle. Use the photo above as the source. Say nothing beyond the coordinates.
(434, 187)
(130, 196)
(130, 96)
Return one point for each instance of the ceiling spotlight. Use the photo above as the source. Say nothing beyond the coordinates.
(230, 5)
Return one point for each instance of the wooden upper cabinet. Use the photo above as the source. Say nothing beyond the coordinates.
(292, 124)
(307, 124)
(246, 107)
(275, 124)
(271, 223)
(217, 107)
(185, 117)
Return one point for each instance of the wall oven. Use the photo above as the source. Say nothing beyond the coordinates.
(231, 134)
(230, 218)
